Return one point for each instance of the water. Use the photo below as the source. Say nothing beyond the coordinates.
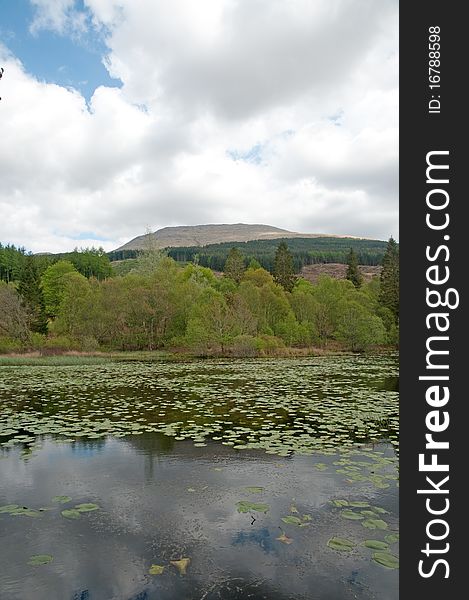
(163, 499)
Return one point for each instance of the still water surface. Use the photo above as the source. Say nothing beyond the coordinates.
(306, 447)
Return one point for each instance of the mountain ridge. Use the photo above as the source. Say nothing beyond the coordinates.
(203, 235)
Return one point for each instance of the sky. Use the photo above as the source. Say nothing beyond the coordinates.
(119, 116)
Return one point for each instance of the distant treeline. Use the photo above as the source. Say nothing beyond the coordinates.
(305, 251)
(90, 262)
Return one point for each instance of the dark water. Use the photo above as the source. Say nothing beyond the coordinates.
(161, 500)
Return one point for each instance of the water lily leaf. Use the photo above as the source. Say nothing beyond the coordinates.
(379, 510)
(349, 514)
(341, 544)
(254, 489)
(358, 504)
(386, 560)
(156, 570)
(293, 509)
(307, 518)
(291, 520)
(86, 507)
(284, 539)
(376, 544)
(244, 507)
(40, 559)
(8, 508)
(392, 538)
(71, 513)
(28, 512)
(61, 499)
(339, 503)
(375, 524)
(181, 565)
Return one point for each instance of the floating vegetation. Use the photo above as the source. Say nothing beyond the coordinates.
(71, 513)
(376, 544)
(341, 544)
(353, 516)
(87, 507)
(246, 507)
(181, 565)
(156, 570)
(280, 406)
(386, 559)
(254, 489)
(284, 539)
(61, 499)
(392, 538)
(375, 524)
(40, 559)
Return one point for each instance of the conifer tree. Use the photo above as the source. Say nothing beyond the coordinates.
(234, 266)
(29, 288)
(353, 273)
(284, 272)
(389, 280)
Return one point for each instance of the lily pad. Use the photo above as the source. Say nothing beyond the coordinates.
(392, 538)
(181, 565)
(156, 570)
(254, 489)
(86, 507)
(375, 524)
(341, 544)
(386, 560)
(245, 507)
(8, 508)
(71, 513)
(40, 559)
(339, 503)
(61, 499)
(353, 516)
(376, 544)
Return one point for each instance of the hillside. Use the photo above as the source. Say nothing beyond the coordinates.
(337, 271)
(203, 235)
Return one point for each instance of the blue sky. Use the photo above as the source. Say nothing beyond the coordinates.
(67, 60)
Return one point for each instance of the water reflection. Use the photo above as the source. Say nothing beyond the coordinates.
(160, 502)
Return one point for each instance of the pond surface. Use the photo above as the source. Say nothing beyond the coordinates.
(202, 480)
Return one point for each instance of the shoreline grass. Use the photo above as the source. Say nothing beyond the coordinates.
(74, 358)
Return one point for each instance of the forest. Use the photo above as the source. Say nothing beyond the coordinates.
(74, 301)
(304, 251)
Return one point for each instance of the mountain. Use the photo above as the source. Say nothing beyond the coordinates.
(201, 235)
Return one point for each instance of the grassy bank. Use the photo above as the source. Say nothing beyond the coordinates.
(95, 358)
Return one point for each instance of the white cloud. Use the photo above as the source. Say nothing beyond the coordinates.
(311, 86)
(57, 15)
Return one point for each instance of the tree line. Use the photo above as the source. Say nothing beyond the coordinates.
(304, 251)
(161, 304)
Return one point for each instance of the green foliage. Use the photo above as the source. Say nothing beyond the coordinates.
(358, 329)
(305, 251)
(389, 289)
(53, 284)
(29, 288)
(284, 271)
(234, 266)
(160, 304)
(14, 318)
(353, 273)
